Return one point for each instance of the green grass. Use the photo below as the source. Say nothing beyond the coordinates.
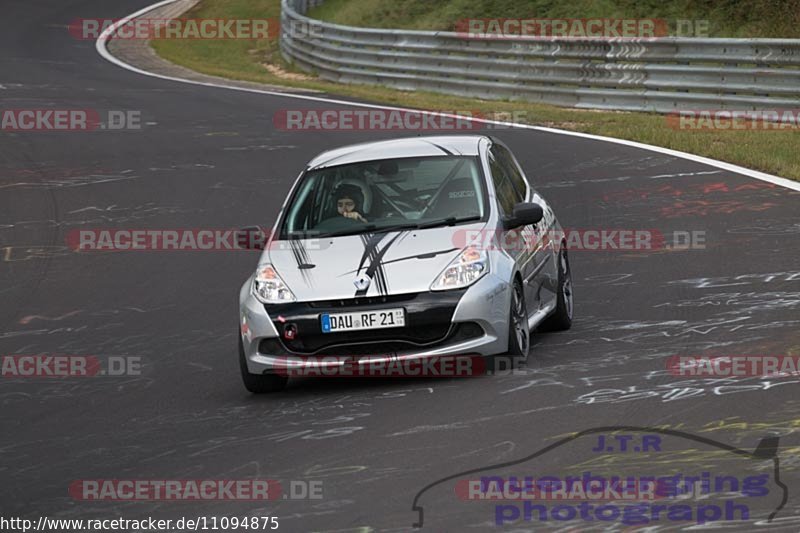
(727, 18)
(775, 152)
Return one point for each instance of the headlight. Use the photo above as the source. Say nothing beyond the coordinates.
(269, 288)
(463, 271)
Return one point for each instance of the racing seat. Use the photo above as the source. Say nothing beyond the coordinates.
(458, 198)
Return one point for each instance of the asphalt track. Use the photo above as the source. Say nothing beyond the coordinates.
(210, 158)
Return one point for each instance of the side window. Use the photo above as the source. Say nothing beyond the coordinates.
(506, 160)
(507, 195)
(298, 216)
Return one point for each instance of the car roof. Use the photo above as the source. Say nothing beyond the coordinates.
(441, 145)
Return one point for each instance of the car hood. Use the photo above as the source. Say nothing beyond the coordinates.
(396, 262)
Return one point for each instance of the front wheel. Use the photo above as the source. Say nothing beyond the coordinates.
(518, 333)
(259, 383)
(561, 319)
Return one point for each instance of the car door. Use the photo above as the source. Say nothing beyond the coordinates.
(514, 241)
(537, 263)
(546, 238)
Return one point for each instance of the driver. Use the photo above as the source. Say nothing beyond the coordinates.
(349, 201)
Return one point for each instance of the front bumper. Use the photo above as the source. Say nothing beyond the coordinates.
(472, 321)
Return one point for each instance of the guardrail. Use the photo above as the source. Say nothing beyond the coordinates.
(664, 74)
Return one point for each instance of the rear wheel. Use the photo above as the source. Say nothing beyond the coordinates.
(561, 319)
(259, 383)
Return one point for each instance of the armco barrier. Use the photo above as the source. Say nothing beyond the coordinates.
(663, 74)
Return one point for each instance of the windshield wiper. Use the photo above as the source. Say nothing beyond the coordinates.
(370, 228)
(449, 221)
(396, 227)
(342, 233)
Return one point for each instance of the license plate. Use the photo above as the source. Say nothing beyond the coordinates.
(385, 318)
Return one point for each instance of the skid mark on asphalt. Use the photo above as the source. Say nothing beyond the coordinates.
(610, 279)
(74, 181)
(627, 387)
(29, 318)
(27, 252)
(704, 208)
(181, 166)
(467, 423)
(742, 279)
(583, 182)
(692, 190)
(766, 227)
(266, 147)
(742, 302)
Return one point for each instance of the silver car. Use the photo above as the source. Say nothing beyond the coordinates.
(403, 250)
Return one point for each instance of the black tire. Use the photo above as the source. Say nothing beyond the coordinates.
(259, 383)
(561, 318)
(519, 341)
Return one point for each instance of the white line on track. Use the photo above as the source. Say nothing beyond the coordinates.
(103, 51)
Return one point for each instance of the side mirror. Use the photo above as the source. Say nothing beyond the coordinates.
(525, 213)
(251, 238)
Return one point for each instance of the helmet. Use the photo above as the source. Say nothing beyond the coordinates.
(360, 194)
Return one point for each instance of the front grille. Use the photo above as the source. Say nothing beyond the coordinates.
(370, 348)
(359, 302)
(458, 333)
(428, 320)
(412, 337)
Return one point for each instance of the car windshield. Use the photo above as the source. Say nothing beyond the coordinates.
(388, 194)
